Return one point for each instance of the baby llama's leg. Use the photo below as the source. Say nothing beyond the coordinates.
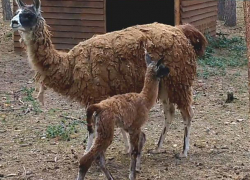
(100, 160)
(90, 138)
(126, 142)
(134, 144)
(169, 111)
(142, 141)
(187, 114)
(104, 129)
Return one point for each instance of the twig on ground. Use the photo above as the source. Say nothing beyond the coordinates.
(72, 118)
(12, 109)
(25, 173)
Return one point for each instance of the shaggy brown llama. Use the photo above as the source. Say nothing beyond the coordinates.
(129, 112)
(113, 63)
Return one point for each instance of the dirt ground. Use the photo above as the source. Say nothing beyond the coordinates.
(220, 143)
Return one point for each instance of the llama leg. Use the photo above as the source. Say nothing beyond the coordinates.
(187, 115)
(90, 141)
(104, 136)
(142, 141)
(134, 144)
(125, 139)
(169, 111)
(40, 95)
(102, 164)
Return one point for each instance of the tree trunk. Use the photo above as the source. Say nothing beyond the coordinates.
(7, 13)
(230, 13)
(221, 10)
(246, 7)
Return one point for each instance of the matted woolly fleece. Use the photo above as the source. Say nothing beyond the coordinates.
(114, 63)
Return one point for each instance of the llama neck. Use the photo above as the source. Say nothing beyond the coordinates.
(52, 66)
(41, 52)
(150, 89)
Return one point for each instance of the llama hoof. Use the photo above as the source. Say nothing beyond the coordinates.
(40, 99)
(156, 151)
(138, 170)
(181, 155)
(126, 151)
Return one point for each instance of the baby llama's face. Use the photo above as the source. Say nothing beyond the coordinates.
(25, 18)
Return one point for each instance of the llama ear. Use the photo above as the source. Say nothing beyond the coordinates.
(37, 4)
(147, 58)
(20, 3)
(159, 62)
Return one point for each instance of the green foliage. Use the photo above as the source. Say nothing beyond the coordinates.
(222, 53)
(62, 130)
(9, 34)
(30, 100)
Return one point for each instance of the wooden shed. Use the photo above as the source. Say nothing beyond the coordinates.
(72, 21)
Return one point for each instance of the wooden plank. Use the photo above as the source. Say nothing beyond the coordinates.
(105, 15)
(197, 18)
(197, 12)
(56, 40)
(77, 29)
(71, 22)
(78, 4)
(73, 16)
(177, 12)
(66, 41)
(80, 0)
(18, 50)
(70, 4)
(212, 5)
(194, 2)
(64, 46)
(246, 8)
(205, 29)
(202, 21)
(57, 46)
(69, 35)
(206, 24)
(73, 10)
(72, 35)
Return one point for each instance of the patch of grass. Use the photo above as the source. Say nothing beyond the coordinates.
(62, 130)
(8, 35)
(222, 53)
(52, 111)
(30, 99)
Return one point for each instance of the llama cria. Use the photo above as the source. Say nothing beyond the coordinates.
(129, 112)
(113, 63)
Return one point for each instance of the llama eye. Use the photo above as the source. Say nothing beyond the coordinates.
(27, 16)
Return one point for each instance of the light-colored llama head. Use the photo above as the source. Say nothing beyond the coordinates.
(27, 16)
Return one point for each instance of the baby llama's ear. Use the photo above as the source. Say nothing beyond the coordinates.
(37, 4)
(148, 59)
(159, 62)
(20, 3)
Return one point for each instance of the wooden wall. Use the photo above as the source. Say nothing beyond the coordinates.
(201, 13)
(71, 21)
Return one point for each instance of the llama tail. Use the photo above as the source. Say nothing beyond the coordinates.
(197, 39)
(90, 111)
